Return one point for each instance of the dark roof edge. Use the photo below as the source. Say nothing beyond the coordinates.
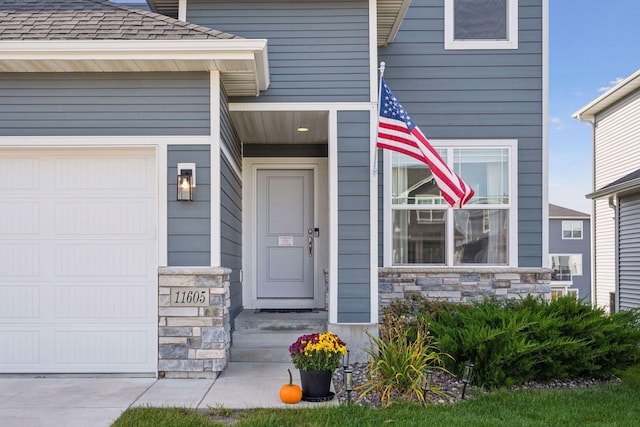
(610, 190)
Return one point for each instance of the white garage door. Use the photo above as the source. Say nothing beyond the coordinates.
(78, 260)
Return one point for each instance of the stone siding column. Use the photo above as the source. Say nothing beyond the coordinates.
(193, 321)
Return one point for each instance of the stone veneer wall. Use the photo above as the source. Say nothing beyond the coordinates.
(193, 336)
(470, 284)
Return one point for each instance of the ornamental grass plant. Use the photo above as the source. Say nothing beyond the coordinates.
(317, 352)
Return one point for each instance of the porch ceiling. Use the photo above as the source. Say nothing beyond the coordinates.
(280, 127)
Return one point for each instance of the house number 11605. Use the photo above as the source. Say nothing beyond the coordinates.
(189, 298)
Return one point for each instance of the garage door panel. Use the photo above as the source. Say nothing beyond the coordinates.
(19, 217)
(116, 302)
(114, 219)
(19, 173)
(19, 302)
(101, 347)
(19, 260)
(109, 175)
(20, 349)
(101, 260)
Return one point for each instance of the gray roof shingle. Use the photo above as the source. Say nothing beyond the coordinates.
(556, 211)
(92, 20)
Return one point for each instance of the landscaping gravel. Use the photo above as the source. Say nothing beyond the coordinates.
(449, 387)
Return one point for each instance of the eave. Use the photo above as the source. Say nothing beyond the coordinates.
(613, 95)
(243, 63)
(390, 15)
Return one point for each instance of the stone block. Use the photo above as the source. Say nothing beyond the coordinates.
(214, 345)
(189, 321)
(210, 354)
(514, 277)
(178, 311)
(164, 290)
(218, 365)
(385, 287)
(194, 342)
(175, 331)
(172, 340)
(172, 351)
(180, 365)
(469, 277)
(543, 289)
(427, 282)
(164, 300)
(176, 280)
(497, 284)
(197, 332)
(216, 300)
(213, 311)
(216, 334)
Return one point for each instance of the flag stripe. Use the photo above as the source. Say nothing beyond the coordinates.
(397, 132)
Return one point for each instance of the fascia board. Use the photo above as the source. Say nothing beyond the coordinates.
(611, 96)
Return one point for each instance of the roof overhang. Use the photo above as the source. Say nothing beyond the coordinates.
(390, 15)
(613, 95)
(243, 63)
(626, 187)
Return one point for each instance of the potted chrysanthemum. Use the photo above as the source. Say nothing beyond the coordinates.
(316, 356)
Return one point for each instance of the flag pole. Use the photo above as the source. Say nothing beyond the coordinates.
(375, 158)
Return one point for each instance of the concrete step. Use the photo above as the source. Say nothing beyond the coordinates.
(266, 338)
(288, 321)
(260, 354)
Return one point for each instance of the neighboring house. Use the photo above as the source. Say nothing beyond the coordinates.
(615, 118)
(270, 108)
(570, 252)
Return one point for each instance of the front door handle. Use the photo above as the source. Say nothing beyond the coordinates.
(310, 240)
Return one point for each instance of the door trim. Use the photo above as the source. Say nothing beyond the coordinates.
(249, 218)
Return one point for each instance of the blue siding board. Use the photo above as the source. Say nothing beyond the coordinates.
(325, 45)
(354, 237)
(75, 104)
(477, 94)
(189, 223)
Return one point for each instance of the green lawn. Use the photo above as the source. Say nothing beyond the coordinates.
(608, 405)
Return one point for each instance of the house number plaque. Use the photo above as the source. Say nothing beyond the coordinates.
(186, 297)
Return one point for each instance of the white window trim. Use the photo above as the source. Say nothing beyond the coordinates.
(512, 31)
(512, 206)
(570, 255)
(572, 221)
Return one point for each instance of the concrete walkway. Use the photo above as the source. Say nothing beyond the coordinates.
(70, 402)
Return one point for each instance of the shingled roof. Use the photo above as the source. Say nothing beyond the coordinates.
(92, 20)
(556, 211)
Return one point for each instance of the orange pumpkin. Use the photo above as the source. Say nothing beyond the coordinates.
(290, 393)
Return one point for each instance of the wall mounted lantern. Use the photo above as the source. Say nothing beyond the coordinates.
(186, 181)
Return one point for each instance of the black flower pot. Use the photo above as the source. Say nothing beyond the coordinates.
(316, 386)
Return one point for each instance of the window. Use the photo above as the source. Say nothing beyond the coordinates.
(572, 229)
(565, 266)
(562, 291)
(481, 24)
(424, 230)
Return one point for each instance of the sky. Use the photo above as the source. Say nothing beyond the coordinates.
(592, 45)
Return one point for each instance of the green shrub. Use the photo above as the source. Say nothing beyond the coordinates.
(398, 359)
(511, 342)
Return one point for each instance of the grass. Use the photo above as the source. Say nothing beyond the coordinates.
(611, 405)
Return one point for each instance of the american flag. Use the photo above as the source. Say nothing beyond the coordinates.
(397, 132)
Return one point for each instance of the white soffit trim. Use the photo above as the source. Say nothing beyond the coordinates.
(244, 58)
(610, 97)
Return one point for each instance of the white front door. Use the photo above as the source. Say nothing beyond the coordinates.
(285, 236)
(78, 260)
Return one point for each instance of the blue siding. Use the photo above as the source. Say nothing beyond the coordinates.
(354, 227)
(104, 104)
(231, 206)
(558, 245)
(318, 50)
(189, 223)
(477, 94)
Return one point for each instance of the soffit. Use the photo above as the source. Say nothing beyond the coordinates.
(280, 127)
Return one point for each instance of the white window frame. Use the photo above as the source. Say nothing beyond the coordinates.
(511, 42)
(512, 206)
(571, 258)
(572, 221)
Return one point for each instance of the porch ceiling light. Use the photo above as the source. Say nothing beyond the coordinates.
(302, 129)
